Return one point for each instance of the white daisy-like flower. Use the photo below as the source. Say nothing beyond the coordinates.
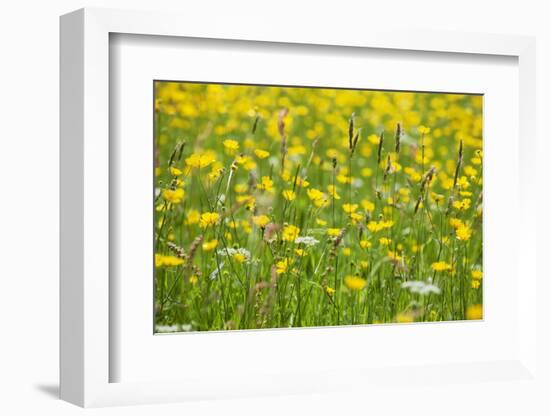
(308, 241)
(420, 287)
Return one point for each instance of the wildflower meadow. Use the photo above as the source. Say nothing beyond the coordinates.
(279, 207)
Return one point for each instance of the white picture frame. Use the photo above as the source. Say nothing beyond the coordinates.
(85, 182)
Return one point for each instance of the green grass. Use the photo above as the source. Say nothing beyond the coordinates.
(401, 241)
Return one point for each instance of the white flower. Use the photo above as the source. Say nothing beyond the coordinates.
(167, 328)
(308, 241)
(420, 287)
(173, 328)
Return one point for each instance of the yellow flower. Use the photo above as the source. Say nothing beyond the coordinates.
(175, 171)
(346, 251)
(231, 146)
(200, 160)
(366, 172)
(344, 178)
(393, 255)
(333, 232)
(332, 191)
(193, 279)
(477, 274)
(474, 312)
(300, 252)
(355, 282)
(475, 284)
(456, 223)
(247, 200)
(404, 318)
(241, 188)
(463, 233)
(302, 183)
(289, 195)
(424, 130)
(385, 241)
(414, 176)
(440, 266)
(462, 205)
(209, 218)
(210, 245)
(290, 232)
(261, 154)
(174, 196)
(320, 222)
(463, 182)
(193, 217)
(329, 290)
(260, 220)
(374, 139)
(239, 257)
(355, 217)
(365, 244)
(282, 265)
(367, 205)
(317, 197)
(266, 184)
(167, 261)
(350, 208)
(375, 226)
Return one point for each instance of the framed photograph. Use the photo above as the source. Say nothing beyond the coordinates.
(280, 213)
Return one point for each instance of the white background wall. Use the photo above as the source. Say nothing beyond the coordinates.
(29, 178)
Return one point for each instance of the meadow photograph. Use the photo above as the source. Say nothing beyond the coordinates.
(289, 207)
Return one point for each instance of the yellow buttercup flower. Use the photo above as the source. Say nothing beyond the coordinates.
(266, 184)
(290, 232)
(261, 220)
(239, 257)
(463, 233)
(282, 265)
(210, 245)
(208, 218)
(474, 312)
(174, 196)
(365, 244)
(355, 283)
(329, 290)
(200, 160)
(477, 274)
(333, 232)
(385, 241)
(332, 191)
(261, 154)
(441, 266)
(367, 205)
(167, 261)
(350, 208)
(175, 171)
(193, 217)
(231, 146)
(318, 198)
(289, 195)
